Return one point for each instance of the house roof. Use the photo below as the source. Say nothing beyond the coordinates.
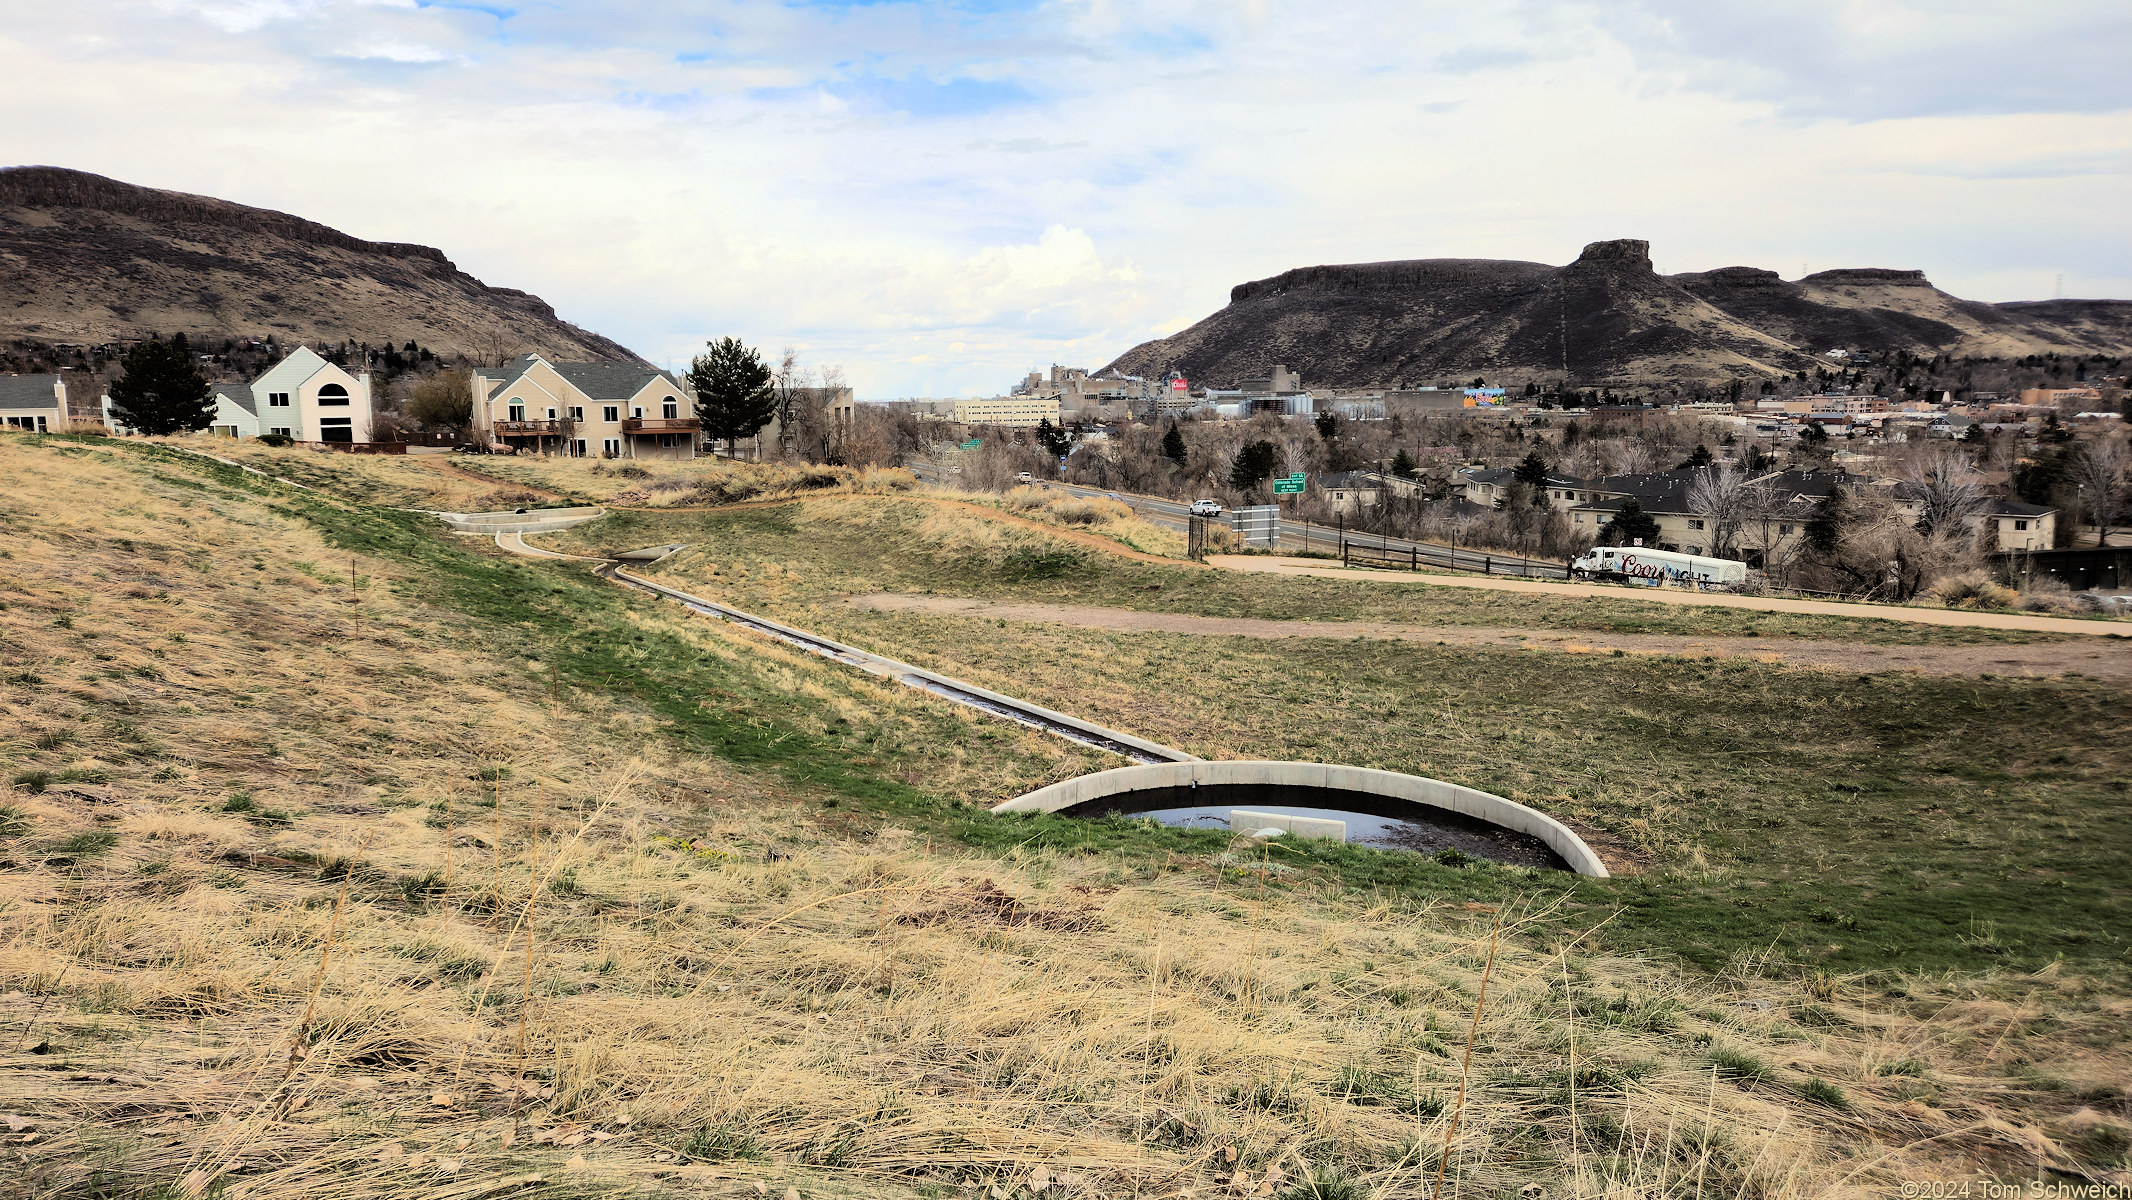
(2020, 508)
(1350, 479)
(598, 380)
(240, 394)
(28, 391)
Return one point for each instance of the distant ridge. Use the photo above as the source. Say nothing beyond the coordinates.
(1607, 318)
(84, 258)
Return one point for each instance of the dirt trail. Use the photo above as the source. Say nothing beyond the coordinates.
(2102, 660)
(1886, 612)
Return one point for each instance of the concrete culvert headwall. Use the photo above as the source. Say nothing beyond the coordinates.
(1304, 777)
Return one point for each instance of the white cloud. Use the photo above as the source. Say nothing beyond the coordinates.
(882, 183)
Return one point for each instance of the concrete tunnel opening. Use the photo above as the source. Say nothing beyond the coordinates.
(1372, 807)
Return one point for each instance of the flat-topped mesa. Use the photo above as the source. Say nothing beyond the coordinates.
(61, 187)
(1872, 276)
(1735, 277)
(1631, 253)
(1401, 275)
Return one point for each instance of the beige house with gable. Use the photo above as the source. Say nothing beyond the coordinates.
(579, 410)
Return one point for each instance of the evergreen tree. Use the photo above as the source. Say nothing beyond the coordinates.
(1532, 471)
(1328, 425)
(1255, 464)
(163, 390)
(1701, 458)
(1632, 524)
(1824, 530)
(1052, 438)
(734, 398)
(1403, 464)
(1173, 445)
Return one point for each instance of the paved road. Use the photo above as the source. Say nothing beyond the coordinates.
(1304, 536)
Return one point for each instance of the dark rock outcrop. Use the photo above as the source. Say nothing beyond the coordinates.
(84, 258)
(1606, 318)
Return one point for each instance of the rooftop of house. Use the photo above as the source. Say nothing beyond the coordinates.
(597, 380)
(28, 391)
(1351, 480)
(240, 394)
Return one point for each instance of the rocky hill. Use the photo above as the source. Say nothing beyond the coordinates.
(89, 259)
(1607, 318)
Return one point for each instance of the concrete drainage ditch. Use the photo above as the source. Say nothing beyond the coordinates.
(1298, 799)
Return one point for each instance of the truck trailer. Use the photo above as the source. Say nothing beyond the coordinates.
(1656, 568)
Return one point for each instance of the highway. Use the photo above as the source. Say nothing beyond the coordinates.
(1366, 549)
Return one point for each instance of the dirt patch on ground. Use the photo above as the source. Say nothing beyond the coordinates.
(2097, 659)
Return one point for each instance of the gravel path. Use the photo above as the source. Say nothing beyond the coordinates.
(2102, 660)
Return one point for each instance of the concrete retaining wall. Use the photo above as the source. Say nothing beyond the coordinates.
(533, 520)
(1431, 792)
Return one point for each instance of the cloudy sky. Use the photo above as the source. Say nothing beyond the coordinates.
(939, 196)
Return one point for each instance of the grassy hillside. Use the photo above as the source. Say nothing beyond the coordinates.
(344, 857)
(1855, 821)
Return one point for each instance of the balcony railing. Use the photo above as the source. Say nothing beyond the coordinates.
(661, 425)
(527, 428)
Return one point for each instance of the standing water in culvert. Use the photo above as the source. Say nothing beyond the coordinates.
(1378, 821)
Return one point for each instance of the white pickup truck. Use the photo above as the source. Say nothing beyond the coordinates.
(1205, 508)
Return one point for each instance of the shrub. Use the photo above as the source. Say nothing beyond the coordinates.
(274, 439)
(1973, 589)
(1455, 858)
(85, 843)
(34, 782)
(1738, 1064)
(1822, 1092)
(1325, 1183)
(2047, 595)
(719, 1144)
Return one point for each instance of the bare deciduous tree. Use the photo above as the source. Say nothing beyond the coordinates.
(1948, 491)
(2099, 469)
(1720, 497)
(496, 346)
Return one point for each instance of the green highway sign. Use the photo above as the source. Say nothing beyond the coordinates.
(1287, 487)
(1295, 477)
(972, 444)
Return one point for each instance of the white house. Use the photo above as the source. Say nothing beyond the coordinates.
(610, 409)
(303, 397)
(37, 403)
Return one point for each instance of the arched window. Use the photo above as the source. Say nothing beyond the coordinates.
(332, 394)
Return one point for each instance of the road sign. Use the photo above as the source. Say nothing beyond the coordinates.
(972, 444)
(1295, 477)
(1287, 487)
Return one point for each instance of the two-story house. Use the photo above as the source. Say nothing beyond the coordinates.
(609, 409)
(302, 397)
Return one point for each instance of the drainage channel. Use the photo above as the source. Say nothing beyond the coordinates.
(1073, 729)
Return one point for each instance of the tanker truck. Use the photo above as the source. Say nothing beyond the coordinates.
(1656, 568)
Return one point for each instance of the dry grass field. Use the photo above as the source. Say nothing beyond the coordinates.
(340, 858)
